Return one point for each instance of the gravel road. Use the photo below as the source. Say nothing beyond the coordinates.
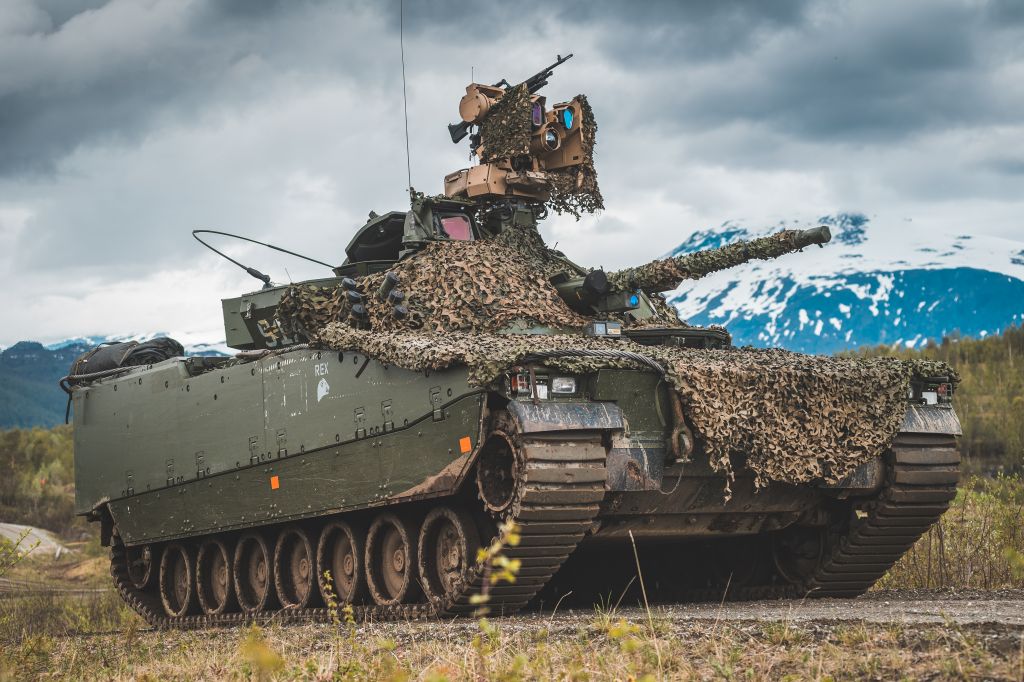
(38, 540)
(902, 606)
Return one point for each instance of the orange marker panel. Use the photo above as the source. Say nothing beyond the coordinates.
(465, 444)
(275, 483)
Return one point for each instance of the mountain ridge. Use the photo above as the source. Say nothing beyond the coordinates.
(866, 288)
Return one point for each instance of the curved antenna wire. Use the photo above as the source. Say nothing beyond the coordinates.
(405, 99)
(252, 271)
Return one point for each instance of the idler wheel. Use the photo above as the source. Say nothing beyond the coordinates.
(214, 581)
(177, 581)
(498, 471)
(294, 566)
(447, 551)
(139, 562)
(253, 571)
(798, 551)
(391, 560)
(340, 551)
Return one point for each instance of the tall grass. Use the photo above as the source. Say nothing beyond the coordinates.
(59, 613)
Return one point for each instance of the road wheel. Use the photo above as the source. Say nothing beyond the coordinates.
(177, 581)
(139, 562)
(391, 560)
(798, 551)
(253, 571)
(214, 581)
(448, 545)
(294, 565)
(340, 551)
(499, 471)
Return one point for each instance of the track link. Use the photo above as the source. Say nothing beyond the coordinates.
(562, 486)
(922, 477)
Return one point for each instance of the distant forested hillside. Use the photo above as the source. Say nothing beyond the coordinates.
(29, 395)
(37, 478)
(990, 398)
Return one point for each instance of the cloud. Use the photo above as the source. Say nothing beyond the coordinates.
(125, 124)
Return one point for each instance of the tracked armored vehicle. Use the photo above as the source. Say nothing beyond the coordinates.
(455, 380)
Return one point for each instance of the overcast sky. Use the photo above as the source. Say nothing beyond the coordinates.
(125, 124)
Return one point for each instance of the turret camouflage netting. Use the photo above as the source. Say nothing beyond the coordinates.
(471, 287)
(506, 130)
(789, 417)
(575, 190)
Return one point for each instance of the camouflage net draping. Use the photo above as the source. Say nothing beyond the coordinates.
(791, 418)
(662, 275)
(575, 190)
(506, 130)
(305, 308)
(449, 286)
(529, 247)
(471, 287)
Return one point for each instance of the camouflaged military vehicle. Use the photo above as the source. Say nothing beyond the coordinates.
(456, 378)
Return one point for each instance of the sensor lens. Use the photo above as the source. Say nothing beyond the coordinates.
(550, 140)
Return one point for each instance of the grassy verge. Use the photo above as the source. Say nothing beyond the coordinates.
(617, 649)
(43, 597)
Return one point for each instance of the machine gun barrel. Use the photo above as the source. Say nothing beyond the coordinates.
(534, 83)
(540, 79)
(663, 275)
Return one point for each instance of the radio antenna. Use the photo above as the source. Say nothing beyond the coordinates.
(252, 271)
(405, 99)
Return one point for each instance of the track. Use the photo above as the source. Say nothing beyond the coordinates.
(922, 472)
(553, 507)
(557, 502)
(922, 476)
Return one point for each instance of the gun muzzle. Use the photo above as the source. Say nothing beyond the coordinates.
(458, 130)
(816, 235)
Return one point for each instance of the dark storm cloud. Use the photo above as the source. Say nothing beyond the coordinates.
(666, 33)
(112, 72)
(865, 73)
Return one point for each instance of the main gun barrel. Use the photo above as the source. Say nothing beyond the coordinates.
(663, 275)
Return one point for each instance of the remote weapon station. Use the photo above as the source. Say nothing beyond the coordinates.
(455, 380)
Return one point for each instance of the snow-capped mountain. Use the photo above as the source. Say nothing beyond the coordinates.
(875, 283)
(193, 344)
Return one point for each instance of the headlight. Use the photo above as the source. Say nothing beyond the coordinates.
(563, 385)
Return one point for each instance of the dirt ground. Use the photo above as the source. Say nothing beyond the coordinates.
(1004, 607)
